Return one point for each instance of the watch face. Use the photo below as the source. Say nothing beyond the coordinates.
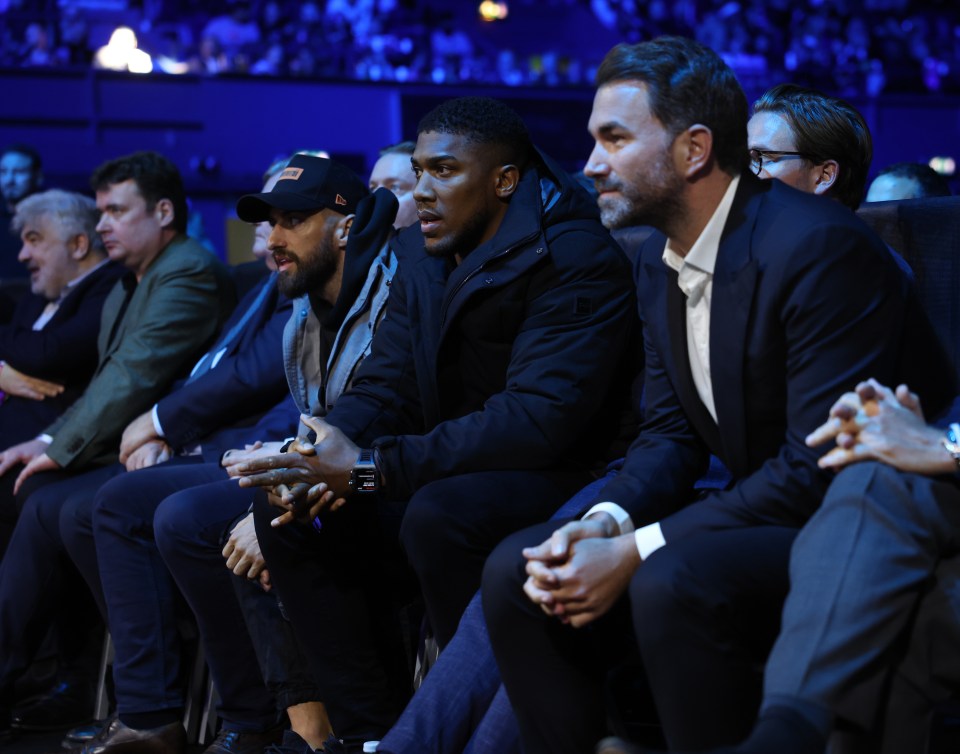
(364, 477)
(364, 480)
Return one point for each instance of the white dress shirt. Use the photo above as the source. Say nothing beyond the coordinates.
(695, 278)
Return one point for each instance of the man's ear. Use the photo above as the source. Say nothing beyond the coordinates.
(508, 178)
(694, 149)
(165, 213)
(827, 174)
(79, 247)
(342, 232)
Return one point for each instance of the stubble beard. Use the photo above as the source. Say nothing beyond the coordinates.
(656, 201)
(311, 273)
(461, 241)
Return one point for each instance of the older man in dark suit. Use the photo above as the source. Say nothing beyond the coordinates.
(155, 322)
(48, 351)
(760, 304)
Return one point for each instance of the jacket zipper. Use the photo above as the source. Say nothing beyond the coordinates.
(483, 265)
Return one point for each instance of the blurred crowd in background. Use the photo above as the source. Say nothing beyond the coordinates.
(850, 47)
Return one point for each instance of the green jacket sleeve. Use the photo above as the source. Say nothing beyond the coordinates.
(173, 314)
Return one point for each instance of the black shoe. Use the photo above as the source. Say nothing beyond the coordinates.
(86, 732)
(63, 706)
(235, 742)
(117, 738)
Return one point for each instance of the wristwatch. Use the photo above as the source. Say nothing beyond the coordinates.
(365, 477)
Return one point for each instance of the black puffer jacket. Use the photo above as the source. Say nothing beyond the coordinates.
(519, 358)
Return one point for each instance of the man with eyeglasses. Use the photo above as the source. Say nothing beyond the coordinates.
(813, 142)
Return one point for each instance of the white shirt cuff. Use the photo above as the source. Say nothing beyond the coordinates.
(624, 522)
(45, 438)
(156, 421)
(649, 539)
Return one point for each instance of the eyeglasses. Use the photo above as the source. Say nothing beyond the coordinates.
(759, 156)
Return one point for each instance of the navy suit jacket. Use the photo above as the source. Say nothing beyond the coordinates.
(218, 409)
(807, 301)
(64, 351)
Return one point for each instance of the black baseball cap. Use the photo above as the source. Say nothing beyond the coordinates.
(308, 183)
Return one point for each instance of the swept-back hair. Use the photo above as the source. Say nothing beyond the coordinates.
(825, 128)
(687, 83)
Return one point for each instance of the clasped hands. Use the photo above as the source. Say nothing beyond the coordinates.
(310, 478)
(581, 570)
(876, 423)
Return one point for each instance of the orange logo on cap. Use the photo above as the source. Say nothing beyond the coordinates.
(341, 201)
(290, 174)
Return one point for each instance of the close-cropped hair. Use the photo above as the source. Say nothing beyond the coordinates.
(825, 128)
(71, 213)
(403, 147)
(155, 176)
(486, 121)
(27, 151)
(931, 183)
(686, 83)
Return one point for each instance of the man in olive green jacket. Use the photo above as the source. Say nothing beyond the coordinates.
(155, 322)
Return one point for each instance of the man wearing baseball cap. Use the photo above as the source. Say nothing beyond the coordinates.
(316, 192)
(495, 381)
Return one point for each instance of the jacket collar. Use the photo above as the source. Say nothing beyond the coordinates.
(734, 284)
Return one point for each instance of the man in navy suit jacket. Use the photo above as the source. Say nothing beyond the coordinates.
(760, 304)
(48, 351)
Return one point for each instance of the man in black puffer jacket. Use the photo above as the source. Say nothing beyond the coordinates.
(494, 388)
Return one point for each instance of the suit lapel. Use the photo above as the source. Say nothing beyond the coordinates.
(113, 326)
(668, 297)
(734, 284)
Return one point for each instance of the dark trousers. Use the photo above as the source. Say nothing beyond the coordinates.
(38, 582)
(461, 706)
(336, 584)
(143, 602)
(870, 629)
(703, 611)
(239, 623)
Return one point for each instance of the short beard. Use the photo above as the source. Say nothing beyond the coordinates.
(310, 275)
(461, 241)
(656, 203)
